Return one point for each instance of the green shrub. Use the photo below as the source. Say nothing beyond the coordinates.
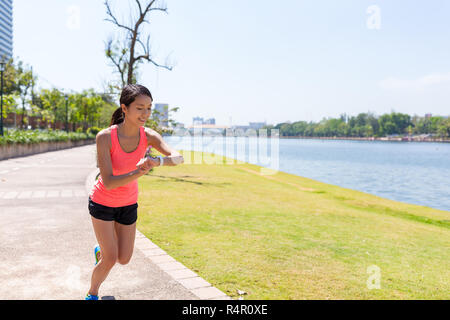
(93, 130)
(12, 136)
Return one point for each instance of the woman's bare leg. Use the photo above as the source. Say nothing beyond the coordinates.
(125, 241)
(105, 234)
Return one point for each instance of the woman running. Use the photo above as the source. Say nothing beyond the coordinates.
(113, 199)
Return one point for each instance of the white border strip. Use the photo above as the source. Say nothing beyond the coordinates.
(177, 271)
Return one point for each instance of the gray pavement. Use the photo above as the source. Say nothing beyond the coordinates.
(46, 238)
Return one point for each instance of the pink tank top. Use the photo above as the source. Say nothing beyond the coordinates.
(122, 163)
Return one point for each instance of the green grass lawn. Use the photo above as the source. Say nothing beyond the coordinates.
(283, 236)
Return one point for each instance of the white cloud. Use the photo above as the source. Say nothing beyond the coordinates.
(419, 84)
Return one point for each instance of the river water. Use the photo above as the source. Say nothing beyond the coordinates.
(412, 172)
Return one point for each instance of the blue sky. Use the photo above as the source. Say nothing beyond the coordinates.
(243, 61)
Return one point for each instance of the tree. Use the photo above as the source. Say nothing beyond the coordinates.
(9, 104)
(51, 105)
(286, 129)
(401, 121)
(343, 129)
(9, 78)
(373, 122)
(299, 128)
(25, 81)
(9, 88)
(88, 106)
(434, 123)
(444, 128)
(106, 112)
(132, 50)
(394, 123)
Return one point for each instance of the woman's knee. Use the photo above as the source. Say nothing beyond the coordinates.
(124, 258)
(110, 259)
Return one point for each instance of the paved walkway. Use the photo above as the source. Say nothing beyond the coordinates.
(46, 238)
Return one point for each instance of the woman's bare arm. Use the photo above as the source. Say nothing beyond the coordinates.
(110, 181)
(173, 157)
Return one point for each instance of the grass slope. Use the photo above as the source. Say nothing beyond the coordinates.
(282, 236)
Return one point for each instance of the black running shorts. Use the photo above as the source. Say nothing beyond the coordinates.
(124, 215)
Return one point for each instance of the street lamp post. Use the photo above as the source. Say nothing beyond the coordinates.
(2, 67)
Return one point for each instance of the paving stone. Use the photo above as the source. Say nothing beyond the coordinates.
(181, 274)
(161, 259)
(193, 283)
(38, 194)
(53, 194)
(80, 193)
(10, 195)
(140, 235)
(207, 293)
(174, 265)
(66, 194)
(25, 195)
(221, 298)
(154, 252)
(145, 244)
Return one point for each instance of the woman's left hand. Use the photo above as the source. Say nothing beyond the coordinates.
(147, 163)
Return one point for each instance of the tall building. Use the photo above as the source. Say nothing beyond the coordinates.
(197, 120)
(210, 121)
(163, 116)
(256, 125)
(6, 29)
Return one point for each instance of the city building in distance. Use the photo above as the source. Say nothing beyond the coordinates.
(210, 121)
(198, 120)
(251, 125)
(208, 129)
(209, 126)
(6, 30)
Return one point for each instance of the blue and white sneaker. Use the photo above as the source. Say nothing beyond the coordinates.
(96, 253)
(90, 297)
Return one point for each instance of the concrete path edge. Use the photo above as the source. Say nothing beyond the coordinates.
(177, 271)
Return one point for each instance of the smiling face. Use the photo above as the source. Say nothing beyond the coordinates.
(139, 110)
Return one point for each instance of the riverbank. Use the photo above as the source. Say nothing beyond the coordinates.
(287, 237)
(407, 138)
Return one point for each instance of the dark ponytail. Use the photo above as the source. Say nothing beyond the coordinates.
(129, 93)
(117, 117)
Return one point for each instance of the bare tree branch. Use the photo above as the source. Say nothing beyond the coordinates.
(113, 18)
(134, 58)
(160, 9)
(148, 7)
(161, 66)
(139, 5)
(117, 60)
(146, 48)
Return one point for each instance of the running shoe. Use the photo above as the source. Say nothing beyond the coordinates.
(96, 253)
(90, 297)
